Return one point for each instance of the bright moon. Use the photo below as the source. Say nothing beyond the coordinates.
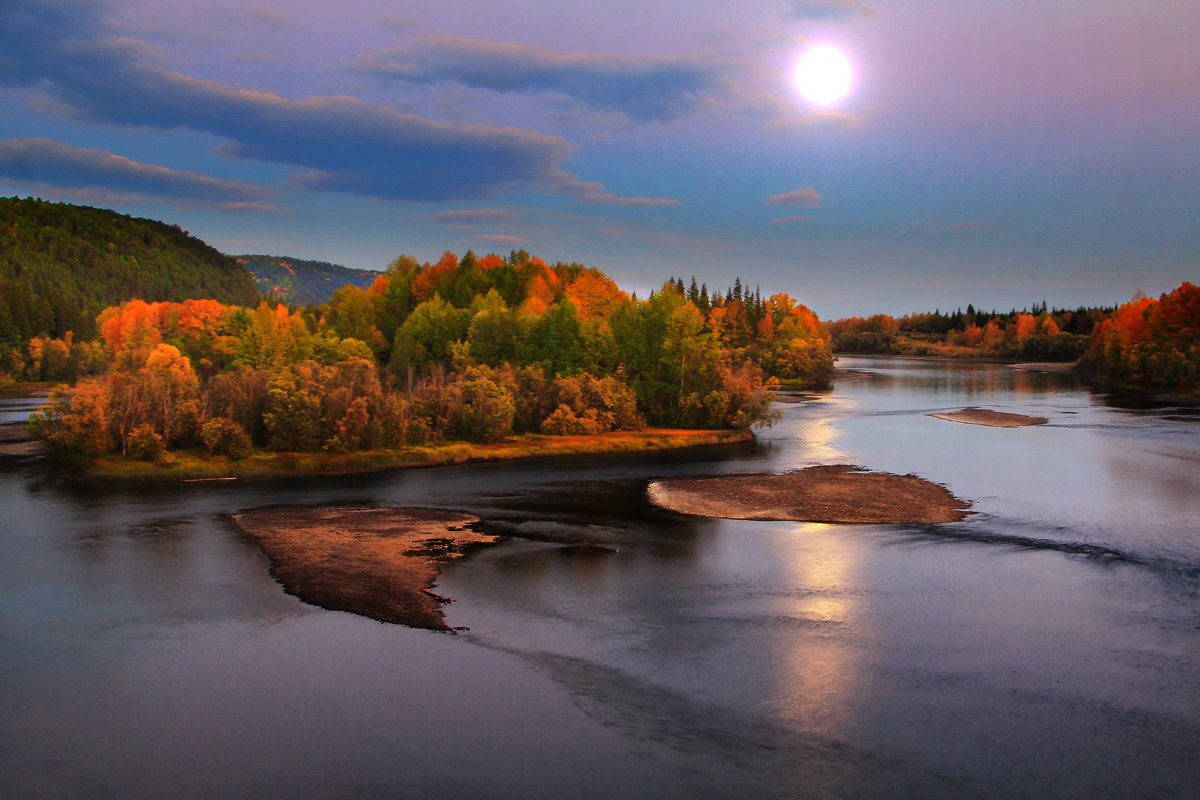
(823, 75)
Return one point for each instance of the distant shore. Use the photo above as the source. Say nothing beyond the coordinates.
(197, 465)
(1016, 363)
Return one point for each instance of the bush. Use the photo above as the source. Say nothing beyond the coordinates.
(144, 444)
(487, 409)
(565, 422)
(293, 417)
(224, 437)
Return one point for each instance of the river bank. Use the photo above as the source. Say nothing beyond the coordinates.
(199, 465)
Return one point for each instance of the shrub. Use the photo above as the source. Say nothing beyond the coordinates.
(224, 437)
(565, 422)
(144, 444)
(487, 409)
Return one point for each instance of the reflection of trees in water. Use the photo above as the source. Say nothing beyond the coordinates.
(966, 378)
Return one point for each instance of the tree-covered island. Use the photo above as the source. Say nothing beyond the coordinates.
(471, 357)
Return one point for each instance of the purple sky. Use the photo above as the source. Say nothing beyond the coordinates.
(995, 153)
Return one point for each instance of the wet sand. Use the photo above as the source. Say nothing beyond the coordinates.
(829, 493)
(15, 442)
(993, 419)
(795, 397)
(1065, 368)
(23, 450)
(11, 432)
(377, 562)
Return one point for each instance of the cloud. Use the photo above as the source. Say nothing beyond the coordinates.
(466, 217)
(342, 143)
(398, 23)
(642, 88)
(60, 165)
(591, 193)
(807, 197)
(499, 238)
(832, 10)
(790, 219)
(268, 15)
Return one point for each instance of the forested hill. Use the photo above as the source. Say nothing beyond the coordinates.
(301, 283)
(61, 264)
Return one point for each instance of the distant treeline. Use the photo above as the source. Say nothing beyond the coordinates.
(476, 348)
(300, 282)
(1145, 345)
(1039, 333)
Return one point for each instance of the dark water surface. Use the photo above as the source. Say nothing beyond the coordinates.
(1047, 647)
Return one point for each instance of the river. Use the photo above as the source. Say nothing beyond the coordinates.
(1046, 647)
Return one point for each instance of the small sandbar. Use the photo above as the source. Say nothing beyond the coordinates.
(851, 374)
(993, 419)
(377, 562)
(795, 397)
(1046, 366)
(830, 493)
(13, 432)
(23, 449)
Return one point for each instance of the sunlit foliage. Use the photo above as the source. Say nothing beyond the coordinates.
(1150, 344)
(472, 348)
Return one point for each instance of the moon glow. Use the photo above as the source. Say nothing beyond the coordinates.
(823, 75)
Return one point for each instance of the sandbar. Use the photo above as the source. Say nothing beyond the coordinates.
(23, 449)
(993, 419)
(11, 432)
(795, 397)
(828, 493)
(377, 562)
(1064, 367)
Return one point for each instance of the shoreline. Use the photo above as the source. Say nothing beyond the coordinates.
(200, 466)
(1012, 362)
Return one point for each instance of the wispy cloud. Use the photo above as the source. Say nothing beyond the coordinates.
(641, 88)
(61, 165)
(342, 143)
(269, 16)
(591, 193)
(807, 197)
(466, 217)
(832, 10)
(500, 238)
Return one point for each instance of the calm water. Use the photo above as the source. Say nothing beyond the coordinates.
(1048, 647)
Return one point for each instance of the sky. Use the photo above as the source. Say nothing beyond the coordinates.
(994, 152)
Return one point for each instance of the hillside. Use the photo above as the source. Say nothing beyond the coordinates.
(299, 282)
(61, 264)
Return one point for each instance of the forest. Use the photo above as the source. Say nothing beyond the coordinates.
(474, 349)
(1036, 334)
(471, 348)
(61, 264)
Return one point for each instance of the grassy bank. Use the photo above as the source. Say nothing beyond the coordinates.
(197, 464)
